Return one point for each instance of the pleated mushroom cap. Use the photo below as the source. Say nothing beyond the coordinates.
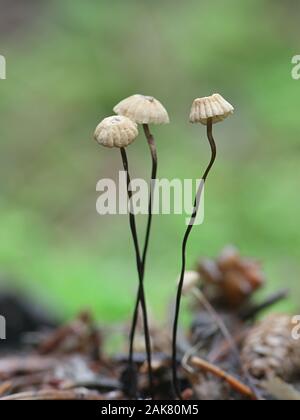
(215, 107)
(143, 110)
(116, 131)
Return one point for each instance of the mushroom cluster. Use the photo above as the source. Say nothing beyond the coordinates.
(119, 131)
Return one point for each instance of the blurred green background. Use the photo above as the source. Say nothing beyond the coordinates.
(68, 63)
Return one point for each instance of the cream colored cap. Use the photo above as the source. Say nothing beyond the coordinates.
(116, 131)
(215, 107)
(191, 280)
(143, 110)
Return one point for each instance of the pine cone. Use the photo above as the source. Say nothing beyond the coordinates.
(269, 349)
(231, 279)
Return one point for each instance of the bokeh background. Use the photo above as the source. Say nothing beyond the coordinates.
(68, 63)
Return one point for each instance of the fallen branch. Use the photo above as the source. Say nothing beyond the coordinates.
(229, 379)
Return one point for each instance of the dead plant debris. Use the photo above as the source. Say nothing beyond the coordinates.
(226, 354)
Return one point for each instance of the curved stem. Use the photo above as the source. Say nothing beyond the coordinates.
(184, 247)
(152, 147)
(140, 272)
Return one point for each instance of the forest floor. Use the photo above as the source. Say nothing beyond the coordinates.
(225, 354)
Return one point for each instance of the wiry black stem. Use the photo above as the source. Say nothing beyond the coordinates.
(152, 147)
(140, 272)
(184, 247)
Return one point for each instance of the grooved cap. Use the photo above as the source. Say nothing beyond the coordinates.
(143, 110)
(215, 107)
(116, 131)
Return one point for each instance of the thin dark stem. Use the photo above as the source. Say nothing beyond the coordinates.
(152, 147)
(184, 247)
(140, 271)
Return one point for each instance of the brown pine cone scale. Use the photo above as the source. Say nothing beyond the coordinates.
(270, 349)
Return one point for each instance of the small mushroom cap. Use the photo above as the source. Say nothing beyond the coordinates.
(191, 280)
(116, 131)
(215, 107)
(143, 110)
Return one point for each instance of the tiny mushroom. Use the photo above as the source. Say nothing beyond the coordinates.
(116, 131)
(207, 111)
(144, 110)
(119, 131)
(214, 107)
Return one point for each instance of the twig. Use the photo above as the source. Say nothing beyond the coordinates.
(100, 384)
(219, 321)
(219, 373)
(270, 301)
(56, 395)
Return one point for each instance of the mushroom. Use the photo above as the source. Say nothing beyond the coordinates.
(116, 131)
(119, 132)
(144, 110)
(214, 107)
(207, 111)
